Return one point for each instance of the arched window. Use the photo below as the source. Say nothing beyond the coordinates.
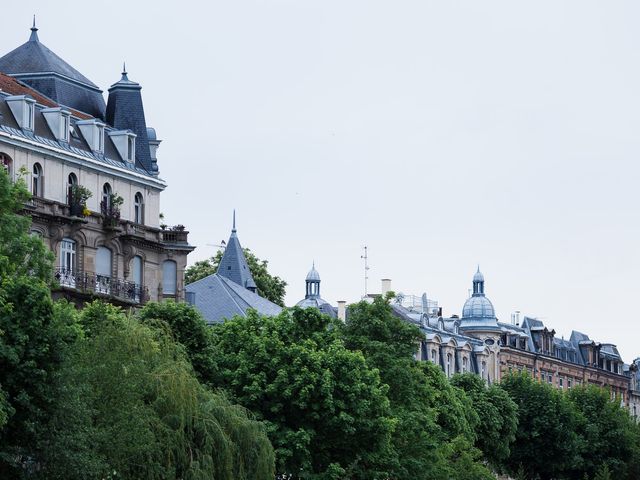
(136, 276)
(484, 369)
(71, 181)
(138, 208)
(169, 277)
(433, 355)
(7, 164)
(103, 270)
(464, 364)
(106, 195)
(37, 181)
(448, 364)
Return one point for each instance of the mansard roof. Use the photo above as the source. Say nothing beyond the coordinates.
(41, 68)
(42, 135)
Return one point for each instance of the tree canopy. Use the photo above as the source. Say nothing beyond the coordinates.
(269, 286)
(326, 411)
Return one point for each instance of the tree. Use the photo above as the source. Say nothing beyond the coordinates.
(609, 434)
(33, 339)
(498, 417)
(187, 328)
(133, 409)
(269, 286)
(326, 412)
(435, 423)
(547, 422)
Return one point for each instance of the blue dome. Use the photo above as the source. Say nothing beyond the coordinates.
(478, 307)
(313, 275)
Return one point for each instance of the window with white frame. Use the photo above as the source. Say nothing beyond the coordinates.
(37, 181)
(66, 271)
(71, 181)
(103, 270)
(106, 195)
(138, 208)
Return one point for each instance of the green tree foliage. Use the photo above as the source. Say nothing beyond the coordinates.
(326, 411)
(269, 286)
(435, 423)
(188, 328)
(498, 418)
(133, 409)
(610, 436)
(547, 444)
(21, 254)
(33, 340)
(604, 473)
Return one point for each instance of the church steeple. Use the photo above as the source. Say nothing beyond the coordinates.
(234, 264)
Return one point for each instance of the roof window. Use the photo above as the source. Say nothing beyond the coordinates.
(125, 143)
(93, 132)
(58, 120)
(23, 110)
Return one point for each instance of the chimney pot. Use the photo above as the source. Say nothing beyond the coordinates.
(386, 286)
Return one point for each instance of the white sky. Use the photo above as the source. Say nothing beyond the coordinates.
(441, 134)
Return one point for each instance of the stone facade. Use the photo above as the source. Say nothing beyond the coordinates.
(111, 244)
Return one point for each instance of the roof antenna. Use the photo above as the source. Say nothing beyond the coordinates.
(365, 257)
(234, 221)
(34, 31)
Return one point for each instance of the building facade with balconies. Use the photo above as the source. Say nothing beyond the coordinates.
(92, 170)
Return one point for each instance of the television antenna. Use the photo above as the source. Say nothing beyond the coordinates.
(365, 257)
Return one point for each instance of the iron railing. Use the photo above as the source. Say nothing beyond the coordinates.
(89, 282)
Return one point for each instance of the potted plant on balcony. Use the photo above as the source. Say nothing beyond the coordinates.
(78, 196)
(110, 210)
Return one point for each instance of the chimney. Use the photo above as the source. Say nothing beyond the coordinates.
(439, 311)
(342, 310)
(386, 286)
(517, 318)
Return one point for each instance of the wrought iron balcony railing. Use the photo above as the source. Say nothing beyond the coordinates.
(89, 282)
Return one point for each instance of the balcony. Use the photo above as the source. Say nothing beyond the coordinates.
(110, 215)
(89, 283)
(174, 235)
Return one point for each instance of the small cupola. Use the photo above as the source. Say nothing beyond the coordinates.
(23, 109)
(125, 143)
(154, 143)
(58, 119)
(93, 132)
(312, 283)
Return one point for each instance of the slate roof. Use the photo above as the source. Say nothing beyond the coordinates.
(218, 298)
(42, 134)
(234, 264)
(38, 66)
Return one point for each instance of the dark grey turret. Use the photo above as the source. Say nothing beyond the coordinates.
(125, 111)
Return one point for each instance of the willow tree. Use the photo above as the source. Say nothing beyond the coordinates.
(135, 410)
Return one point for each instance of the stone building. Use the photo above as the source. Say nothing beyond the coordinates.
(92, 170)
(477, 342)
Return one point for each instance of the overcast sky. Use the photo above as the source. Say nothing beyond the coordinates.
(442, 134)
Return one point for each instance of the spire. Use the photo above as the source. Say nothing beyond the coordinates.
(478, 283)
(233, 264)
(34, 32)
(124, 73)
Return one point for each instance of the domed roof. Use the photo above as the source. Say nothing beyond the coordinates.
(313, 275)
(478, 277)
(478, 307)
(319, 303)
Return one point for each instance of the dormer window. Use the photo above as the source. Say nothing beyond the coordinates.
(58, 120)
(93, 132)
(23, 110)
(125, 143)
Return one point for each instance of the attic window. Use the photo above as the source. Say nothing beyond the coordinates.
(125, 143)
(93, 132)
(130, 148)
(23, 110)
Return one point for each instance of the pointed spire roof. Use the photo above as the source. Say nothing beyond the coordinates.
(36, 65)
(234, 264)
